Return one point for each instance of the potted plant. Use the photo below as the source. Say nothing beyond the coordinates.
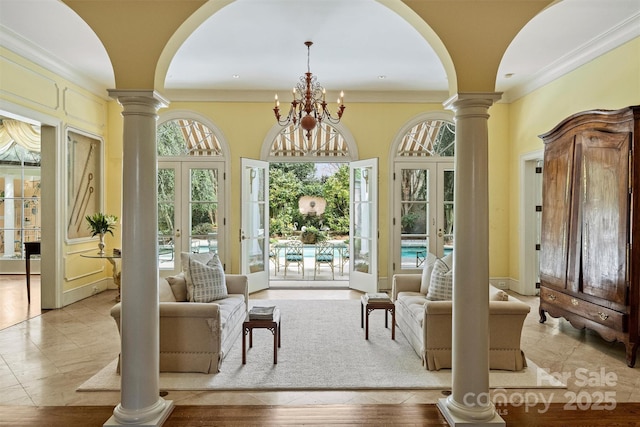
(311, 235)
(100, 224)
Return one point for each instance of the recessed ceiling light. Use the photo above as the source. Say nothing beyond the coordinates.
(236, 76)
(509, 75)
(382, 77)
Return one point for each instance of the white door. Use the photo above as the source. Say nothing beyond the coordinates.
(363, 230)
(254, 232)
(189, 211)
(423, 213)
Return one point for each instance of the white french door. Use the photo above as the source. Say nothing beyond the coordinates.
(363, 229)
(189, 212)
(254, 232)
(422, 213)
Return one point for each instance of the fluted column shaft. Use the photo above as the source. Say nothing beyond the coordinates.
(470, 360)
(140, 402)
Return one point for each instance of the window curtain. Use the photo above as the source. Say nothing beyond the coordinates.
(22, 133)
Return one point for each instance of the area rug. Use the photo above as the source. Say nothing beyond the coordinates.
(324, 348)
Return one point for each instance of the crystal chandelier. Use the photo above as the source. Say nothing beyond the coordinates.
(308, 107)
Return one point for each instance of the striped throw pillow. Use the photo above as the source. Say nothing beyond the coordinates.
(208, 280)
(441, 285)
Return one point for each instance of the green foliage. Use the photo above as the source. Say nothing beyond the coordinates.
(312, 234)
(100, 223)
(304, 172)
(336, 193)
(170, 140)
(290, 181)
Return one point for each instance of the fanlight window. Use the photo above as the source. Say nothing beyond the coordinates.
(185, 137)
(325, 141)
(431, 138)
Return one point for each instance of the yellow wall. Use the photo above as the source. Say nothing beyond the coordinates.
(611, 81)
(32, 88)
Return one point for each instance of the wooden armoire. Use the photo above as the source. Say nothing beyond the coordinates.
(590, 241)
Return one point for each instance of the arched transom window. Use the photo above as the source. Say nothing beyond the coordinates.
(325, 141)
(187, 137)
(430, 138)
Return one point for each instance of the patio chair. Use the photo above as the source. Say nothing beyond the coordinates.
(293, 254)
(344, 257)
(324, 255)
(274, 258)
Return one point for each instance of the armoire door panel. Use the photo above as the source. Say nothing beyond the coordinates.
(556, 200)
(604, 205)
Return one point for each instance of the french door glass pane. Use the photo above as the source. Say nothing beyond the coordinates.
(414, 216)
(362, 238)
(166, 217)
(203, 210)
(448, 210)
(255, 255)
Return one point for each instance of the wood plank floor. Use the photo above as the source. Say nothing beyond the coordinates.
(625, 414)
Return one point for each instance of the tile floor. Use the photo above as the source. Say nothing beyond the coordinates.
(44, 359)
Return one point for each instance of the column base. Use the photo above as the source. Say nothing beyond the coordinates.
(157, 420)
(455, 420)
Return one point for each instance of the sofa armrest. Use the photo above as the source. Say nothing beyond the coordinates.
(238, 284)
(178, 309)
(405, 283)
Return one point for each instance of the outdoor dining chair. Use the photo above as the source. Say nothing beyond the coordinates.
(324, 255)
(293, 254)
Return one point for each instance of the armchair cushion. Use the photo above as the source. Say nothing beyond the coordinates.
(208, 282)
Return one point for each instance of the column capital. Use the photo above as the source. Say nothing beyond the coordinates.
(465, 100)
(130, 98)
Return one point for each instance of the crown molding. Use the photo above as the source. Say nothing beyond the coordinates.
(213, 95)
(34, 53)
(606, 42)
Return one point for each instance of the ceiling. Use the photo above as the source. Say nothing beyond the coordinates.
(253, 48)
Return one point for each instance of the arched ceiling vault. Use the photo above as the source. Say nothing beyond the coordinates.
(489, 28)
(471, 57)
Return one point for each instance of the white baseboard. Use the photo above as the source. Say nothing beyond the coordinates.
(500, 282)
(90, 289)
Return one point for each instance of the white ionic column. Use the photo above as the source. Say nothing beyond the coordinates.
(469, 403)
(140, 401)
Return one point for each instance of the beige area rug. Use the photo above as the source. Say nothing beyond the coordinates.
(323, 348)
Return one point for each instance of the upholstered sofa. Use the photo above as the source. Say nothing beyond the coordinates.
(427, 325)
(196, 336)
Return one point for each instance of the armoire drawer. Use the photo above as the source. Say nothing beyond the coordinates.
(605, 316)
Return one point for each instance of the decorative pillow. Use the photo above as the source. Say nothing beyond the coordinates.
(208, 280)
(496, 294)
(426, 272)
(441, 286)
(186, 258)
(165, 294)
(178, 285)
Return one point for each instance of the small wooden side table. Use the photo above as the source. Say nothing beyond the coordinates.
(274, 325)
(369, 304)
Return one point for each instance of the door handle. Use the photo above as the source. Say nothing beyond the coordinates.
(242, 236)
(177, 233)
(440, 234)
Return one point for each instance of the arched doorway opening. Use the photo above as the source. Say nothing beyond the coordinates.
(309, 202)
(422, 191)
(192, 187)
